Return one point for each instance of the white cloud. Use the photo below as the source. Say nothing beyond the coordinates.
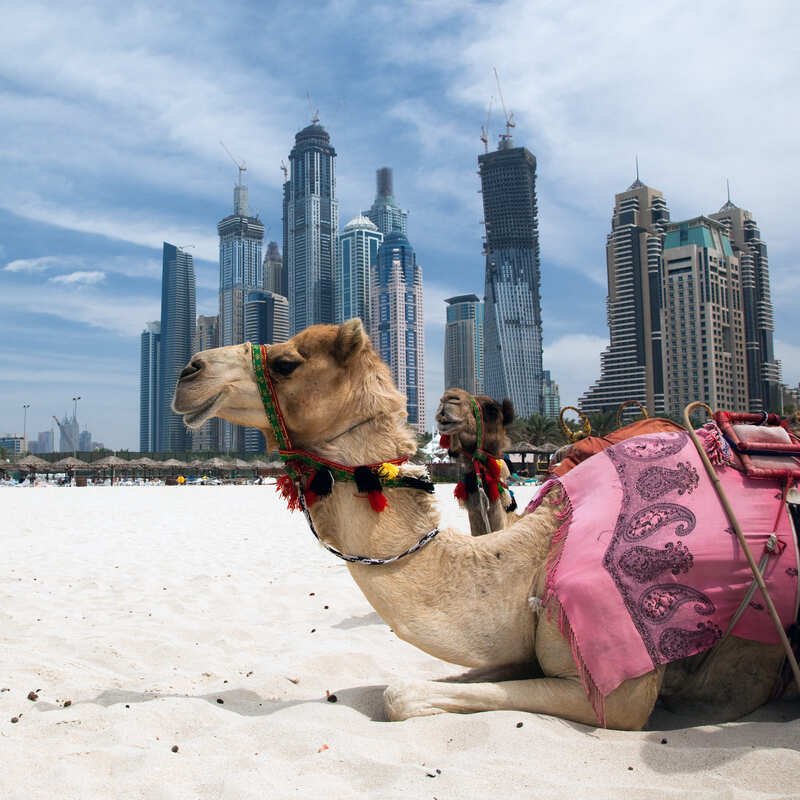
(85, 277)
(574, 364)
(38, 264)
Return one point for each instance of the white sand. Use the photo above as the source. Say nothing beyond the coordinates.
(147, 606)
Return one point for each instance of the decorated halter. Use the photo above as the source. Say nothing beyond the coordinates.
(310, 477)
(486, 467)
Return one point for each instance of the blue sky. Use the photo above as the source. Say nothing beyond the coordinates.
(112, 118)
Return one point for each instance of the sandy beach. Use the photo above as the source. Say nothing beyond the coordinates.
(196, 642)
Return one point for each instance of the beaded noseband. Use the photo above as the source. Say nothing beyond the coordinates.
(309, 477)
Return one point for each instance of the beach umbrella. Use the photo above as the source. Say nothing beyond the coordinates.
(72, 463)
(214, 463)
(240, 463)
(34, 463)
(172, 463)
(110, 461)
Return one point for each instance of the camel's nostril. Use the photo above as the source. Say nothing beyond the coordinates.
(192, 368)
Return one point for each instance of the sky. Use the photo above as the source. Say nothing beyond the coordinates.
(112, 117)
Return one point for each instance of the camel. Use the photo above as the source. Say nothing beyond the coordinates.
(462, 599)
(456, 420)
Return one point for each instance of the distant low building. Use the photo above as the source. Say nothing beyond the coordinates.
(12, 444)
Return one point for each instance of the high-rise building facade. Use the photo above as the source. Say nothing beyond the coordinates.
(513, 312)
(149, 387)
(206, 335)
(397, 329)
(358, 256)
(178, 320)
(266, 321)
(69, 431)
(311, 221)
(463, 344)
(631, 367)
(703, 320)
(385, 212)
(763, 371)
(273, 270)
(551, 397)
(241, 270)
(45, 442)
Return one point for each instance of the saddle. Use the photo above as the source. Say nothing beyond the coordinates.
(762, 444)
(590, 445)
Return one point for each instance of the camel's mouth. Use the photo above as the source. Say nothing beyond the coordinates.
(196, 417)
(446, 424)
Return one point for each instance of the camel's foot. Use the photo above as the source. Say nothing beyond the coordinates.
(410, 699)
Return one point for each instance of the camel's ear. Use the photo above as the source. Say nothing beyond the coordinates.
(350, 339)
(508, 412)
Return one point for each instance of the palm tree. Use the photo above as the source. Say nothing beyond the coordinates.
(536, 429)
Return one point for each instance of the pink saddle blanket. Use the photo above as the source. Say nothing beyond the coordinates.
(647, 569)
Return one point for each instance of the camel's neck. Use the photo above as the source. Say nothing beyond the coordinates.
(480, 510)
(460, 598)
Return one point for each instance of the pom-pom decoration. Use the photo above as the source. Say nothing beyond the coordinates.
(370, 484)
(287, 488)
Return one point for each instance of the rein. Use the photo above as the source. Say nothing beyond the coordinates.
(309, 476)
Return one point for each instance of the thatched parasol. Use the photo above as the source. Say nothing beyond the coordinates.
(110, 461)
(71, 463)
(34, 464)
(214, 463)
(172, 463)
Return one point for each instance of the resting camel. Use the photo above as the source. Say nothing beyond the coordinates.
(456, 420)
(462, 599)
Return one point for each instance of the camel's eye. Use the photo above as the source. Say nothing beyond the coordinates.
(285, 366)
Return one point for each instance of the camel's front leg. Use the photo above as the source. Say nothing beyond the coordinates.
(627, 708)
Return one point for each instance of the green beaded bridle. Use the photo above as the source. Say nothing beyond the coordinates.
(300, 463)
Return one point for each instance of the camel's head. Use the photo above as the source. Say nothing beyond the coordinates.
(455, 417)
(327, 378)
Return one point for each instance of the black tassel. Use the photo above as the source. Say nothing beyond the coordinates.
(471, 482)
(417, 483)
(320, 485)
(513, 505)
(366, 480)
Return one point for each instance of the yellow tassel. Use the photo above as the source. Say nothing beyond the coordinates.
(388, 471)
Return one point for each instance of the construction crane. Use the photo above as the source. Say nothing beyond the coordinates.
(485, 128)
(242, 167)
(314, 111)
(285, 171)
(65, 434)
(508, 114)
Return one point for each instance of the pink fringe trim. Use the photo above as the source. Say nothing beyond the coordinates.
(561, 499)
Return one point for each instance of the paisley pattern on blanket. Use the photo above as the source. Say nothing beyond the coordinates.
(646, 548)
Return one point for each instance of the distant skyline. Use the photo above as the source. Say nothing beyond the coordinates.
(112, 127)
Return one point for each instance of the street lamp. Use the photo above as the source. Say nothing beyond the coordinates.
(75, 423)
(25, 408)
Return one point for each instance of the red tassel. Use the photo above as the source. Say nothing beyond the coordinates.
(493, 466)
(311, 498)
(377, 500)
(287, 488)
(460, 491)
(444, 441)
(492, 489)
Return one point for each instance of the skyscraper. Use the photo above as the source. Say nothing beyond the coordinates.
(397, 328)
(241, 270)
(551, 398)
(358, 256)
(631, 367)
(206, 437)
(178, 299)
(385, 212)
(763, 371)
(266, 321)
(273, 270)
(703, 321)
(513, 311)
(149, 397)
(311, 220)
(463, 344)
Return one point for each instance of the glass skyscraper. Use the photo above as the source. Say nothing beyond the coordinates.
(632, 366)
(241, 270)
(358, 256)
(311, 221)
(385, 212)
(513, 310)
(149, 399)
(273, 270)
(463, 344)
(763, 371)
(178, 300)
(397, 329)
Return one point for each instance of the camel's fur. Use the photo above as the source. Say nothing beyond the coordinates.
(456, 419)
(463, 599)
